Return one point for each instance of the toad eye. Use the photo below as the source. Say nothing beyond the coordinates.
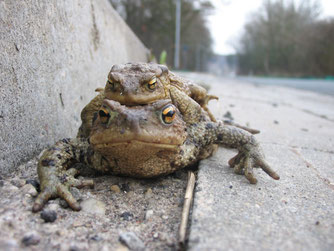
(104, 115)
(152, 84)
(168, 114)
(112, 85)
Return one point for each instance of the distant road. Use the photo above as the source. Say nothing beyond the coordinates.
(320, 86)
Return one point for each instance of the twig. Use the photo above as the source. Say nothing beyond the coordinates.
(188, 197)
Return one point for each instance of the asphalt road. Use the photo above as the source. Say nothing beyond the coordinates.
(319, 86)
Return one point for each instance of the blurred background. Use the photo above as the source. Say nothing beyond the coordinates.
(274, 38)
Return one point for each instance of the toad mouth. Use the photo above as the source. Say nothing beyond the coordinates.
(135, 142)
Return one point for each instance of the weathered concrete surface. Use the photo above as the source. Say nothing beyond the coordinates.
(294, 213)
(53, 55)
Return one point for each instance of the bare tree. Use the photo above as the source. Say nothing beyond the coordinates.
(282, 38)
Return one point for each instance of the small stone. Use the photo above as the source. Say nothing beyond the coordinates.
(130, 194)
(115, 189)
(61, 232)
(49, 215)
(93, 206)
(155, 235)
(76, 193)
(120, 247)
(127, 216)
(125, 187)
(53, 207)
(228, 115)
(131, 240)
(29, 189)
(149, 193)
(18, 182)
(31, 239)
(35, 183)
(149, 214)
(26, 200)
(165, 217)
(63, 203)
(9, 188)
(96, 238)
(9, 244)
(276, 122)
(74, 248)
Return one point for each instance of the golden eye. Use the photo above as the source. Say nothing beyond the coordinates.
(104, 115)
(152, 84)
(168, 114)
(111, 85)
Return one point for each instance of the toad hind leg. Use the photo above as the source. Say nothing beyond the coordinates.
(54, 175)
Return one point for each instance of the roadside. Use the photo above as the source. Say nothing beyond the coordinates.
(294, 213)
(321, 86)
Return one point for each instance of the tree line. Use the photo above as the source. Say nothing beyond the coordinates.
(154, 23)
(285, 39)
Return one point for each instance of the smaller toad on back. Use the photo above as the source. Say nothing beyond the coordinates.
(144, 83)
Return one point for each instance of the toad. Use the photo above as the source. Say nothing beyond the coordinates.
(145, 141)
(143, 83)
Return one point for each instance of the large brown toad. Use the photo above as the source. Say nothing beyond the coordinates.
(143, 83)
(145, 141)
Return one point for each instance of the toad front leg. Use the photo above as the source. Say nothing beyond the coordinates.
(56, 175)
(250, 153)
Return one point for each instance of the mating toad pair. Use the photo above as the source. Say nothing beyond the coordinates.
(146, 122)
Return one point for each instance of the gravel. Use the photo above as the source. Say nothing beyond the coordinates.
(141, 207)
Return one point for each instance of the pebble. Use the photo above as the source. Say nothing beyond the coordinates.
(63, 203)
(53, 206)
(115, 189)
(18, 182)
(120, 247)
(29, 189)
(49, 215)
(76, 193)
(125, 187)
(9, 188)
(148, 193)
(9, 244)
(31, 238)
(149, 214)
(127, 216)
(96, 238)
(132, 241)
(35, 183)
(93, 206)
(26, 200)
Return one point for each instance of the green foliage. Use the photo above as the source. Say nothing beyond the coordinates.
(163, 57)
(154, 23)
(288, 40)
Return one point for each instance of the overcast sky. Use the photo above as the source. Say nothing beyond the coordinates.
(227, 21)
